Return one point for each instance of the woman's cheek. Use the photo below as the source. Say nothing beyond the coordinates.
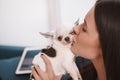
(81, 48)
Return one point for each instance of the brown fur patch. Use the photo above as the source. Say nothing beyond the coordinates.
(51, 52)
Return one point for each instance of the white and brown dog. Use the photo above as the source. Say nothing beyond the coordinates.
(59, 54)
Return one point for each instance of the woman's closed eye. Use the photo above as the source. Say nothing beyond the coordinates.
(73, 32)
(84, 30)
(84, 26)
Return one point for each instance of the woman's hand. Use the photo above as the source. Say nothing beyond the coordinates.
(48, 74)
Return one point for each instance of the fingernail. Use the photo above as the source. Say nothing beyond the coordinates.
(42, 55)
(36, 65)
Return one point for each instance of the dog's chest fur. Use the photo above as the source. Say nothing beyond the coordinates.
(58, 56)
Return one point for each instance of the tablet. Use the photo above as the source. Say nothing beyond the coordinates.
(25, 63)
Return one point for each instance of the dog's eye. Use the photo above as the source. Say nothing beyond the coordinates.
(59, 38)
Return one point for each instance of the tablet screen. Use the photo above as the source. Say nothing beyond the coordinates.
(25, 63)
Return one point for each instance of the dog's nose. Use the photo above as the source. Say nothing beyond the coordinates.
(67, 38)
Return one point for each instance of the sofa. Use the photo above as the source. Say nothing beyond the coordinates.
(9, 59)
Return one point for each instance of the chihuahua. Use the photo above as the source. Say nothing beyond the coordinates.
(59, 53)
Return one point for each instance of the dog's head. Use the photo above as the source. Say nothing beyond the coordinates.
(62, 35)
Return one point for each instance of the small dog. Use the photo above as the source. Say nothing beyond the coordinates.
(59, 54)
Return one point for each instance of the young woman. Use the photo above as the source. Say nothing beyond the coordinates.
(96, 39)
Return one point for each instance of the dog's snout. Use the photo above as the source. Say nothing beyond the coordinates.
(67, 39)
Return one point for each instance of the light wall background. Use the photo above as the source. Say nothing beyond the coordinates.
(22, 20)
(71, 10)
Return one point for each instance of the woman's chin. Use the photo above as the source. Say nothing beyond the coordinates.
(72, 49)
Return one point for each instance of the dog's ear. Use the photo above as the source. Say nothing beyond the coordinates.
(48, 34)
(76, 22)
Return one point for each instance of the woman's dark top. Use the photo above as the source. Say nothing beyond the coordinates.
(86, 69)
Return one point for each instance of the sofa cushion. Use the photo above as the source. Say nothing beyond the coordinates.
(10, 51)
(8, 68)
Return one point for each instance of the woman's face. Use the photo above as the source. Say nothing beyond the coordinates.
(86, 39)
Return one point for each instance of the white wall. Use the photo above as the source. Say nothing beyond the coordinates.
(22, 20)
(71, 10)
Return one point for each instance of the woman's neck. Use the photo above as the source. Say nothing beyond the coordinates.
(100, 67)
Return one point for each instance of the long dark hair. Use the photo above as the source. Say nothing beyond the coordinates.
(107, 18)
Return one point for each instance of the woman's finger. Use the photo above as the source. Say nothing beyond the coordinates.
(40, 72)
(34, 73)
(49, 68)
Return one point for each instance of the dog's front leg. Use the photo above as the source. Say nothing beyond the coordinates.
(71, 69)
(78, 73)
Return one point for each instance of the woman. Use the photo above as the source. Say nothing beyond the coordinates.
(96, 39)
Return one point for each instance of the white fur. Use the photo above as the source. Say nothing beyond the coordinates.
(64, 60)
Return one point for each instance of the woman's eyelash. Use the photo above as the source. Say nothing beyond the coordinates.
(83, 29)
(73, 33)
